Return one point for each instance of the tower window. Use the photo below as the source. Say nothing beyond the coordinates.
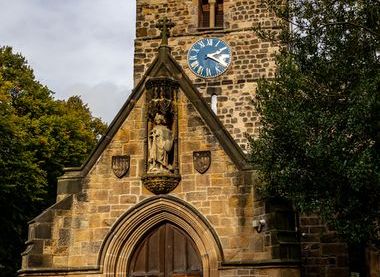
(210, 13)
(219, 13)
(204, 14)
(214, 103)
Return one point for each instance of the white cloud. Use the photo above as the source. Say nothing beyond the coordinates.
(74, 41)
(105, 98)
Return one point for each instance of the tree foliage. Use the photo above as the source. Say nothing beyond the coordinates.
(39, 136)
(319, 141)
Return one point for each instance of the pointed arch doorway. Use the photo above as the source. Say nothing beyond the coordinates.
(126, 237)
(166, 251)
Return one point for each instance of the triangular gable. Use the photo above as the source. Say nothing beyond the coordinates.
(165, 64)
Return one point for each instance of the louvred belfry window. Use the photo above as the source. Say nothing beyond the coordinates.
(204, 14)
(210, 13)
(219, 13)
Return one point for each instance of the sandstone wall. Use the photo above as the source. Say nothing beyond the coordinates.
(252, 58)
(222, 194)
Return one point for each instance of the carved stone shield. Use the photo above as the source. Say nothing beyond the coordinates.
(202, 161)
(120, 165)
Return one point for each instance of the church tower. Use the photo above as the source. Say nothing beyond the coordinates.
(231, 21)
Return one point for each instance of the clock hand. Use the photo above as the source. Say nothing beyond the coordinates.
(219, 51)
(211, 56)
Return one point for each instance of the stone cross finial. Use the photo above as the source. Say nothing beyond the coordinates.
(165, 25)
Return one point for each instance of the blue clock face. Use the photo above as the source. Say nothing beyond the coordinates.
(209, 57)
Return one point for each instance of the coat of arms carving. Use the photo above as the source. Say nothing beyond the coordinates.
(202, 161)
(120, 165)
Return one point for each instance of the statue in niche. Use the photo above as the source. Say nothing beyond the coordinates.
(160, 145)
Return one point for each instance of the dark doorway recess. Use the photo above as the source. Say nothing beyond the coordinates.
(166, 251)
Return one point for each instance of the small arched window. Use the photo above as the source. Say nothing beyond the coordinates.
(211, 13)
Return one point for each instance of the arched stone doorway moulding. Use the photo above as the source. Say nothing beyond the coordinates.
(129, 230)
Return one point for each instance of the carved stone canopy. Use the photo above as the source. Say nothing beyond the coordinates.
(160, 96)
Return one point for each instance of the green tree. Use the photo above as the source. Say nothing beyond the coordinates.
(319, 141)
(39, 136)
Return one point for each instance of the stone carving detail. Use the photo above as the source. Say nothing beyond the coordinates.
(161, 183)
(160, 146)
(120, 165)
(202, 161)
(165, 25)
(161, 167)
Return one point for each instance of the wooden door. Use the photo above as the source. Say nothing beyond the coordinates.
(166, 251)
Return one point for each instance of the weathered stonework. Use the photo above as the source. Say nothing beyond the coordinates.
(79, 237)
(252, 58)
(100, 219)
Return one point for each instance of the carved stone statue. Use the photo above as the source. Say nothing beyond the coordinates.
(161, 172)
(160, 144)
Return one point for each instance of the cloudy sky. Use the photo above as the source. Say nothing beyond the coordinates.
(75, 47)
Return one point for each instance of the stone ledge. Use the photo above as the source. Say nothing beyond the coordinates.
(69, 185)
(64, 270)
(205, 32)
(262, 263)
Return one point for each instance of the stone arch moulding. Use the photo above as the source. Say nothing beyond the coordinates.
(130, 229)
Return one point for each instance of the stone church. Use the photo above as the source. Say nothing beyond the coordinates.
(169, 191)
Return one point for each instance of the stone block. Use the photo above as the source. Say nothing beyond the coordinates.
(42, 231)
(80, 223)
(202, 180)
(195, 196)
(99, 233)
(103, 209)
(187, 185)
(136, 190)
(217, 181)
(81, 235)
(331, 249)
(64, 237)
(335, 271)
(100, 195)
(69, 186)
(77, 261)
(187, 168)
(128, 199)
(217, 207)
(121, 187)
(60, 261)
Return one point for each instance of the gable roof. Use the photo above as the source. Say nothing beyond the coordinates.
(164, 62)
